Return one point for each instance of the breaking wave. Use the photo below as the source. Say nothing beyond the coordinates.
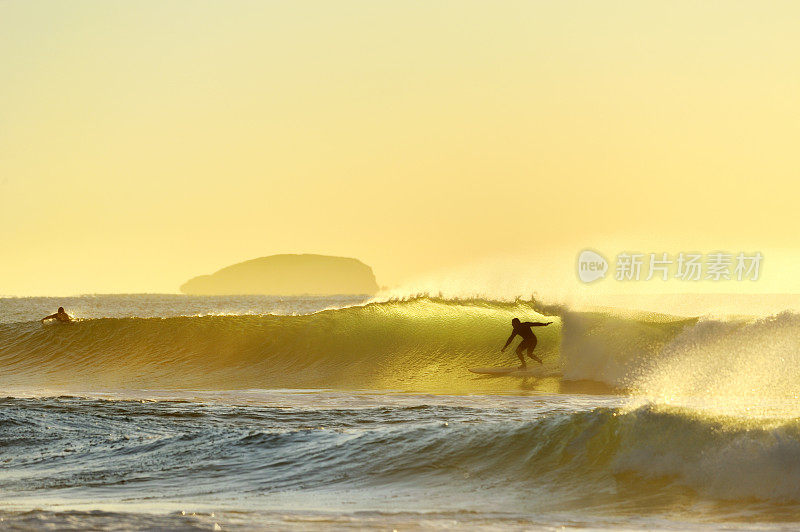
(646, 458)
(421, 344)
(711, 410)
(418, 344)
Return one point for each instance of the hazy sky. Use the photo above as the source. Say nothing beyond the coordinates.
(146, 142)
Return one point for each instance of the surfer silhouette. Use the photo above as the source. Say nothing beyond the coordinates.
(61, 316)
(528, 343)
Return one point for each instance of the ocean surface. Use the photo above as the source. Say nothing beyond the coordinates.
(176, 412)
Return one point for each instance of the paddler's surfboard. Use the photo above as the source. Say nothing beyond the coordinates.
(530, 371)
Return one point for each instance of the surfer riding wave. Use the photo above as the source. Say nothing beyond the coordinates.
(528, 343)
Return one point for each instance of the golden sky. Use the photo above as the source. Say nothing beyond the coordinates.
(145, 142)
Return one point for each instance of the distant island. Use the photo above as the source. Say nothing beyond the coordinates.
(284, 275)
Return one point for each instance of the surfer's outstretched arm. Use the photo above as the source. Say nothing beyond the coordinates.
(510, 338)
(536, 323)
(50, 317)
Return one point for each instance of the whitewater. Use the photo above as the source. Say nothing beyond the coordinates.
(167, 411)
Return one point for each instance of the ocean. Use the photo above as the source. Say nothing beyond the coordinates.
(218, 413)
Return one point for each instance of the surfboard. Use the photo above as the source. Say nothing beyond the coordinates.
(530, 371)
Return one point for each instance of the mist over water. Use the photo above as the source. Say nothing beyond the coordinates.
(286, 413)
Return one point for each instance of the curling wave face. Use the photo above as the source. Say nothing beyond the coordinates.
(421, 344)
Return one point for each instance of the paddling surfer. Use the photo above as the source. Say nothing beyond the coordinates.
(528, 342)
(61, 316)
